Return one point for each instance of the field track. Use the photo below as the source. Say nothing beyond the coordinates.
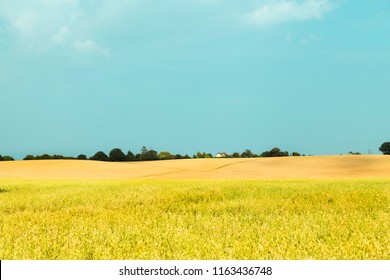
(363, 166)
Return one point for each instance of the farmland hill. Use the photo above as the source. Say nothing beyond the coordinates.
(345, 166)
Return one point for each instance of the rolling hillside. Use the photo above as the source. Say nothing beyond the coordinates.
(372, 166)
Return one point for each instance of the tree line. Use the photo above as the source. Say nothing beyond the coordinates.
(115, 154)
(146, 154)
(6, 158)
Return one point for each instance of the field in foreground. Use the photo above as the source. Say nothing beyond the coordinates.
(195, 219)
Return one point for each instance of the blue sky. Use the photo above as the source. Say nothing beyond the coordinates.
(79, 76)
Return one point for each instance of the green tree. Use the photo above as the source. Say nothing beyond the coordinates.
(385, 148)
(235, 155)
(284, 154)
(150, 155)
(296, 154)
(116, 155)
(82, 157)
(130, 156)
(203, 155)
(29, 157)
(1, 158)
(165, 155)
(58, 157)
(8, 158)
(247, 154)
(99, 156)
(275, 152)
(144, 150)
(147, 154)
(44, 156)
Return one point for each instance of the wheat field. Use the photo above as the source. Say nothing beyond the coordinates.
(373, 166)
(287, 208)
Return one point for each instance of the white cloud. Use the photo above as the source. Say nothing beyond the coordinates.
(278, 12)
(91, 46)
(36, 17)
(43, 24)
(61, 37)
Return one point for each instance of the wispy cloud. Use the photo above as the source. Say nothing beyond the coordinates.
(278, 12)
(61, 37)
(91, 46)
(44, 24)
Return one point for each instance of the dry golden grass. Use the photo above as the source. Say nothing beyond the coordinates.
(372, 166)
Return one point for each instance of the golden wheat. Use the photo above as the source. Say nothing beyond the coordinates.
(194, 219)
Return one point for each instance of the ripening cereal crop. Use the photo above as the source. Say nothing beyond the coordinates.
(195, 219)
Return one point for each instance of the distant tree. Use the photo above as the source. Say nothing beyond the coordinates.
(151, 155)
(284, 154)
(265, 154)
(148, 154)
(275, 152)
(165, 155)
(203, 155)
(99, 156)
(82, 157)
(296, 154)
(353, 153)
(142, 154)
(8, 158)
(1, 158)
(385, 148)
(130, 156)
(178, 156)
(44, 156)
(58, 157)
(29, 157)
(235, 155)
(247, 154)
(144, 150)
(116, 155)
(186, 156)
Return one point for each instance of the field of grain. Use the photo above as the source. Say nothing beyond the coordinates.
(304, 208)
(373, 166)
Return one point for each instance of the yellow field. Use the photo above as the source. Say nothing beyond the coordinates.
(238, 168)
(285, 208)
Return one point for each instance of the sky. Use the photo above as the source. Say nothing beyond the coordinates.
(79, 76)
